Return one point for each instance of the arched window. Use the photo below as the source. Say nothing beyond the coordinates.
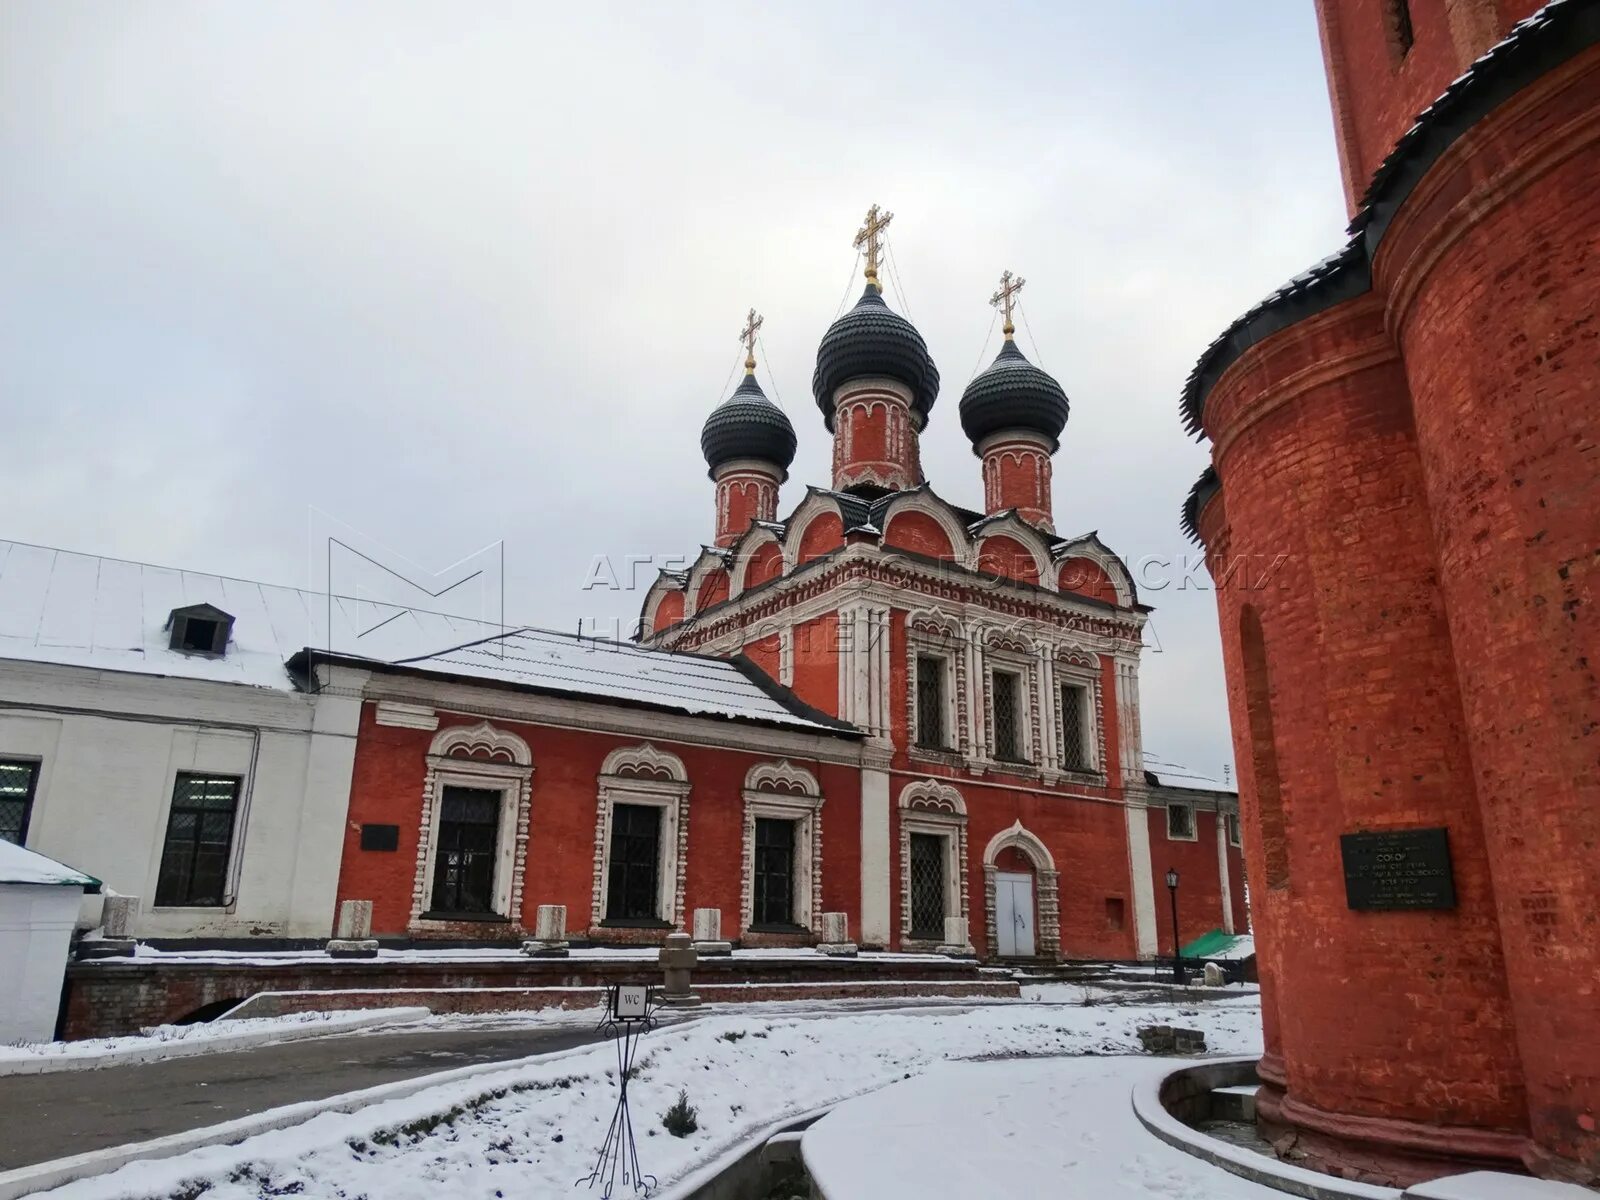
(1263, 748)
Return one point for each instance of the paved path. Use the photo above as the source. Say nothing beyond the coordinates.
(70, 1112)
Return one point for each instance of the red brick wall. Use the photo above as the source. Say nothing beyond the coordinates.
(919, 532)
(816, 662)
(1086, 578)
(713, 589)
(1199, 883)
(765, 653)
(1502, 347)
(669, 611)
(824, 533)
(1017, 475)
(875, 442)
(766, 562)
(1002, 555)
(743, 497)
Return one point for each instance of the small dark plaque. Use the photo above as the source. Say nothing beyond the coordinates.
(1398, 868)
(380, 837)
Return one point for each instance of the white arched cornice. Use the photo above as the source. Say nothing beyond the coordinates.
(665, 583)
(469, 741)
(709, 559)
(935, 623)
(781, 778)
(813, 506)
(644, 762)
(751, 540)
(1090, 546)
(1019, 838)
(1012, 526)
(924, 500)
(932, 796)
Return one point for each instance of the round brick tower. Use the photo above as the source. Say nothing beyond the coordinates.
(748, 443)
(1401, 520)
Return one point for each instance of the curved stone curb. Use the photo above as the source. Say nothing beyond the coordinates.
(1257, 1168)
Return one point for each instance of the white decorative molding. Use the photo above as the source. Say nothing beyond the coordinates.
(482, 738)
(783, 777)
(932, 633)
(1009, 524)
(1045, 875)
(782, 791)
(644, 775)
(405, 716)
(933, 807)
(644, 762)
(1090, 547)
(932, 796)
(743, 550)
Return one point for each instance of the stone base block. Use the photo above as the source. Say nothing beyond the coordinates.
(953, 951)
(687, 1000)
(838, 949)
(353, 948)
(538, 949)
(107, 947)
(713, 949)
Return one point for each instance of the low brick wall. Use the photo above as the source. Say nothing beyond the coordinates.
(107, 998)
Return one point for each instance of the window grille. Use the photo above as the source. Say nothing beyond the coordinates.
(463, 860)
(927, 886)
(17, 783)
(1074, 752)
(1007, 728)
(931, 734)
(1180, 821)
(774, 872)
(199, 842)
(633, 882)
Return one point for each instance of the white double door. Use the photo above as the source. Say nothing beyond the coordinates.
(1013, 915)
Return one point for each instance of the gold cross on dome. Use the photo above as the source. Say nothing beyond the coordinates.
(1006, 299)
(747, 335)
(867, 236)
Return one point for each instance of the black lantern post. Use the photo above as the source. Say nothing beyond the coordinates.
(1177, 946)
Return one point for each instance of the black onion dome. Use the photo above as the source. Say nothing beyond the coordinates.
(747, 425)
(873, 340)
(1012, 393)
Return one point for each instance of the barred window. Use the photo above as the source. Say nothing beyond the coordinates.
(1074, 751)
(1007, 728)
(927, 886)
(17, 783)
(633, 885)
(1180, 821)
(463, 862)
(199, 842)
(774, 872)
(1233, 829)
(931, 733)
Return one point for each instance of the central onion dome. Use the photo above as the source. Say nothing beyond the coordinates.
(747, 425)
(871, 340)
(1012, 393)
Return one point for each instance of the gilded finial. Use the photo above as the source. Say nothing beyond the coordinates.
(747, 335)
(867, 237)
(1005, 300)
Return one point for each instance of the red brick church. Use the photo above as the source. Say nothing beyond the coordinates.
(882, 704)
(1416, 710)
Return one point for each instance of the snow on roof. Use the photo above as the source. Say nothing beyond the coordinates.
(81, 610)
(621, 671)
(1170, 774)
(20, 865)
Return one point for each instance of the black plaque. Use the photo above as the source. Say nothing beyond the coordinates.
(380, 837)
(1398, 869)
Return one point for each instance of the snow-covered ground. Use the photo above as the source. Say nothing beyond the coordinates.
(180, 1041)
(1047, 1127)
(533, 1128)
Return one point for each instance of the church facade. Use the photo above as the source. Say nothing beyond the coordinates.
(1410, 426)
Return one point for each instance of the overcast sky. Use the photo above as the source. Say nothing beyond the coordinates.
(455, 273)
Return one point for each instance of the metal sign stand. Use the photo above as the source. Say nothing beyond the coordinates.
(630, 1012)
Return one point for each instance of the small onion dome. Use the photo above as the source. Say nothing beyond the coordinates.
(1012, 393)
(873, 340)
(747, 425)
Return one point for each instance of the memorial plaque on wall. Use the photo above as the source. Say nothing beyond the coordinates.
(1398, 869)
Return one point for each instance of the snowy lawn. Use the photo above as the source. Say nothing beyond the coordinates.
(178, 1041)
(532, 1129)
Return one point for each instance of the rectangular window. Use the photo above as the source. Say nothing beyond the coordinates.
(1180, 821)
(194, 859)
(1114, 912)
(931, 733)
(1074, 751)
(17, 783)
(927, 886)
(463, 861)
(633, 881)
(774, 872)
(1233, 829)
(1007, 724)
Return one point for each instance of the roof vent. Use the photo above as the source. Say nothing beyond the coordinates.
(200, 629)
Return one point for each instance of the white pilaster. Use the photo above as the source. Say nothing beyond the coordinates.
(1222, 873)
(1143, 880)
(876, 864)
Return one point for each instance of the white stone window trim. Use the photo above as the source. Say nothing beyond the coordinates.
(484, 757)
(933, 807)
(937, 635)
(1235, 835)
(782, 791)
(644, 775)
(1071, 671)
(1047, 897)
(1011, 657)
(1194, 822)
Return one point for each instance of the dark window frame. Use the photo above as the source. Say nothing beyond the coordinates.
(1075, 699)
(194, 617)
(1191, 831)
(774, 875)
(1014, 749)
(465, 871)
(183, 884)
(631, 874)
(933, 723)
(34, 767)
(925, 849)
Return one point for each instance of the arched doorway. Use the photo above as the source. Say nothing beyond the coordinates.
(1021, 897)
